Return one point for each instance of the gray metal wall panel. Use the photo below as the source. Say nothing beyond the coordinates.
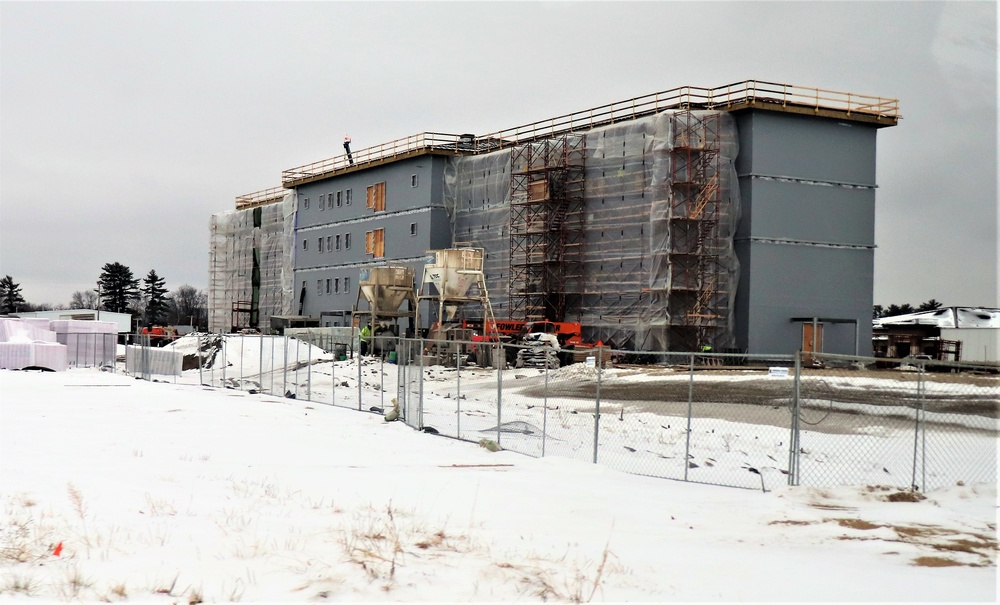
(399, 192)
(808, 281)
(811, 213)
(741, 312)
(804, 147)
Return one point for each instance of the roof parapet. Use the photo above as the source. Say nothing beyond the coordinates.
(879, 111)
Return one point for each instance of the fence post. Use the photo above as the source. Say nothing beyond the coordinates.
(687, 437)
(260, 365)
(333, 377)
(500, 359)
(793, 438)
(201, 371)
(242, 355)
(381, 380)
(284, 369)
(916, 428)
(360, 358)
(458, 389)
(309, 370)
(597, 402)
(545, 409)
(420, 385)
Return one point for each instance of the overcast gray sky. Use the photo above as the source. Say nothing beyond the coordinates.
(125, 126)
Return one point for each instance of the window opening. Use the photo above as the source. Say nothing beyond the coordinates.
(376, 197)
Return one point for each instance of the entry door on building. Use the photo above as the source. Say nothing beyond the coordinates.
(812, 340)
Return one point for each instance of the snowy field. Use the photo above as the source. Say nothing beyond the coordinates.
(116, 489)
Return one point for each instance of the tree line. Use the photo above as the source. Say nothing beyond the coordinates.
(119, 291)
(894, 310)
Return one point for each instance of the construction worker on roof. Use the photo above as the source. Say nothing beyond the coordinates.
(366, 334)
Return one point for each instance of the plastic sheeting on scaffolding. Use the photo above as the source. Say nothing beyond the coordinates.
(240, 244)
(658, 270)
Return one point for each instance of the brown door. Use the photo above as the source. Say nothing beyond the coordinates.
(812, 341)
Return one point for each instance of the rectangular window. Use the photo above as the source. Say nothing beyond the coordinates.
(319, 245)
(347, 241)
(305, 244)
(305, 203)
(336, 286)
(375, 243)
(376, 197)
(347, 197)
(413, 228)
(337, 242)
(328, 239)
(322, 201)
(327, 286)
(413, 180)
(347, 284)
(338, 199)
(319, 286)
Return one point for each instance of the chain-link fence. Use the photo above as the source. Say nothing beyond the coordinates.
(736, 420)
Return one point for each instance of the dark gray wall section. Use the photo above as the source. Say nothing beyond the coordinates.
(807, 212)
(808, 281)
(804, 147)
(414, 222)
(399, 193)
(781, 281)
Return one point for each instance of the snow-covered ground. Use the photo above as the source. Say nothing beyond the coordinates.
(844, 439)
(175, 492)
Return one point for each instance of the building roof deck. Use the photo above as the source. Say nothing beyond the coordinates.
(749, 94)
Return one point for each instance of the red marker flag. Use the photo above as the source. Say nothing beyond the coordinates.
(58, 549)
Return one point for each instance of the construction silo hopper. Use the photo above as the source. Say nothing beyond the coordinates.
(381, 293)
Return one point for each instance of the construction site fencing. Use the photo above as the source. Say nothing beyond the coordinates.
(748, 421)
(738, 420)
(89, 350)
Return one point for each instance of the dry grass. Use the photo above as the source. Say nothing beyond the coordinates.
(546, 579)
(977, 550)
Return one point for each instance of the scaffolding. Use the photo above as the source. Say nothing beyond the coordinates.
(627, 279)
(250, 263)
(546, 227)
(698, 291)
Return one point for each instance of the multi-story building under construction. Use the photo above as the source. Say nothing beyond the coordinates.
(738, 218)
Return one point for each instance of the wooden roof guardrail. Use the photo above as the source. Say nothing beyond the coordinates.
(259, 198)
(739, 94)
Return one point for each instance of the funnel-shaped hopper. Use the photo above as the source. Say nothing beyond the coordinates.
(385, 288)
(454, 271)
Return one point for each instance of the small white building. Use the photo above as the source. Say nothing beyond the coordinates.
(977, 328)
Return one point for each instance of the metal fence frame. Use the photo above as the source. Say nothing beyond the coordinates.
(709, 404)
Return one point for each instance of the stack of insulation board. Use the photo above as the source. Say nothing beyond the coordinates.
(28, 343)
(89, 343)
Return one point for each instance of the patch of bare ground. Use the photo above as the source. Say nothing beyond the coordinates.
(979, 550)
(935, 562)
(767, 391)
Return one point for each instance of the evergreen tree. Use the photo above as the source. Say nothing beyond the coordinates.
(895, 310)
(930, 305)
(118, 287)
(156, 300)
(878, 311)
(11, 300)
